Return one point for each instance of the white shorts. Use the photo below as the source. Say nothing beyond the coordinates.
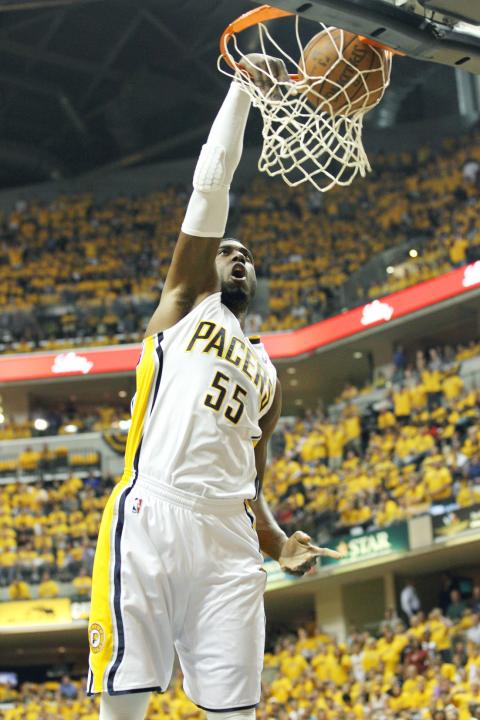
(177, 572)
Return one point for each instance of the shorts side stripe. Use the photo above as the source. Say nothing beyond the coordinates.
(105, 607)
(145, 373)
(159, 351)
(117, 578)
(225, 710)
(100, 611)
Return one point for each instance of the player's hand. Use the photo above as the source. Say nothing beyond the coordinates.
(262, 68)
(299, 554)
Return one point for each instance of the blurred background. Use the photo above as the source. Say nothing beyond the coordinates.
(368, 303)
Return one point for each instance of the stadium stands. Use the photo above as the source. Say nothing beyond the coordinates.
(50, 528)
(57, 420)
(330, 472)
(428, 670)
(104, 265)
(420, 447)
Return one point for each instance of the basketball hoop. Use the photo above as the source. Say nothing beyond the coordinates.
(308, 134)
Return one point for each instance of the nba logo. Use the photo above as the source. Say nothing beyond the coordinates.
(137, 505)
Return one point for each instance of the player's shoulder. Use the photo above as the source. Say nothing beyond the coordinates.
(258, 346)
(261, 351)
(208, 308)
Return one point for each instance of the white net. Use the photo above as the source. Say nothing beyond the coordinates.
(312, 125)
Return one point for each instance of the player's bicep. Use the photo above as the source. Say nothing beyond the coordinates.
(192, 271)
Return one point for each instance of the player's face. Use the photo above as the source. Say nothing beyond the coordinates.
(237, 274)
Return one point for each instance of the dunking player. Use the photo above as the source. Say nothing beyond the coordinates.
(178, 564)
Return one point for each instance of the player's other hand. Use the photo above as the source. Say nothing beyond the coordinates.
(262, 68)
(299, 554)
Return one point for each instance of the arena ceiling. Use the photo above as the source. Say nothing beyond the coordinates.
(89, 83)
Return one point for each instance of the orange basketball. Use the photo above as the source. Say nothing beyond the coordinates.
(352, 74)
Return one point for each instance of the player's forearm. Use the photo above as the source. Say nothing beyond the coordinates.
(207, 210)
(270, 535)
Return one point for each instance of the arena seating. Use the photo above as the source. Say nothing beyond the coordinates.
(420, 448)
(50, 528)
(57, 420)
(85, 258)
(428, 670)
(329, 472)
(309, 245)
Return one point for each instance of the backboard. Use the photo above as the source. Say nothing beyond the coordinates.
(440, 31)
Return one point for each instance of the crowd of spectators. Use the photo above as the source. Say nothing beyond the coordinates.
(66, 419)
(417, 448)
(312, 244)
(48, 533)
(75, 272)
(425, 669)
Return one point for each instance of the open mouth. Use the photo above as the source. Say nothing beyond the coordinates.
(239, 271)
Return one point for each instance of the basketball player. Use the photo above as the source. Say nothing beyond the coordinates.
(178, 563)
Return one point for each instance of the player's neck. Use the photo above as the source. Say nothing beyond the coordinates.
(241, 316)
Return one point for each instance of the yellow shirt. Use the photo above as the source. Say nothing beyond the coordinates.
(48, 589)
(435, 479)
(351, 427)
(432, 380)
(439, 634)
(418, 397)
(402, 403)
(452, 386)
(83, 585)
(292, 667)
(19, 591)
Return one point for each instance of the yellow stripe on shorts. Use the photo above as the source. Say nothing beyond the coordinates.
(100, 630)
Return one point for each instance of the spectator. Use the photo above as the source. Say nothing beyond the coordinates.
(409, 600)
(473, 632)
(67, 688)
(82, 585)
(399, 363)
(457, 606)
(416, 656)
(19, 590)
(48, 588)
(475, 599)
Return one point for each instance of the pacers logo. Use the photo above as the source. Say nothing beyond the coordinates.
(96, 637)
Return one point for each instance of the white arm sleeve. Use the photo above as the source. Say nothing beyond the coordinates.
(207, 211)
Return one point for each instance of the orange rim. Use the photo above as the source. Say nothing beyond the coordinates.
(248, 19)
(380, 46)
(263, 14)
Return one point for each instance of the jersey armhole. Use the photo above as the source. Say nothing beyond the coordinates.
(213, 296)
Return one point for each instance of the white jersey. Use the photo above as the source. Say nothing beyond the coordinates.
(202, 387)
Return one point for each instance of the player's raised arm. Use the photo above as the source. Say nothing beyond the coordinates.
(192, 271)
(192, 274)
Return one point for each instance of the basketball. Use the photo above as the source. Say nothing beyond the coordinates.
(352, 74)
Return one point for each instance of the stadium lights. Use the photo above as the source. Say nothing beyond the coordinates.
(70, 428)
(122, 394)
(124, 424)
(413, 253)
(390, 269)
(40, 424)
